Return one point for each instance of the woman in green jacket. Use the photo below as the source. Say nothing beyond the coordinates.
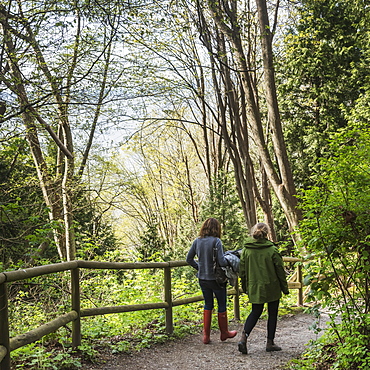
(263, 278)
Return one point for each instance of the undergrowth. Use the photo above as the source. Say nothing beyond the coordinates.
(344, 345)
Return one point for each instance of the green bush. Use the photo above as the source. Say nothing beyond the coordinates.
(336, 235)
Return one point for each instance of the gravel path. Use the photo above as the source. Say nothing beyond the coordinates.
(190, 353)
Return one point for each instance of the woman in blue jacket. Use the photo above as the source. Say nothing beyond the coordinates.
(202, 247)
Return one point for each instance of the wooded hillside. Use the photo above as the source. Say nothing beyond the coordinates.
(123, 125)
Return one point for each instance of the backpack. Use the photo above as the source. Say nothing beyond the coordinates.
(220, 274)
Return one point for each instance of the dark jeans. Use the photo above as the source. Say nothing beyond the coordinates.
(210, 288)
(253, 317)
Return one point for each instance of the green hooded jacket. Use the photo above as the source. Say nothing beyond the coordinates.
(262, 271)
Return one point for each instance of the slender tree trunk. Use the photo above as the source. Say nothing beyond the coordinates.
(54, 192)
(283, 186)
(287, 185)
(234, 136)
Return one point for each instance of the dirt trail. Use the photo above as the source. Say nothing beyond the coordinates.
(190, 353)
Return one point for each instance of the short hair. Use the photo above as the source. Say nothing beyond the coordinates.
(210, 227)
(260, 231)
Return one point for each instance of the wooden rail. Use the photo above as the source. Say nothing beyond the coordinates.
(9, 344)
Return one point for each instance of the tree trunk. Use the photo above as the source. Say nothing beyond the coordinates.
(287, 185)
(281, 181)
(54, 192)
(235, 136)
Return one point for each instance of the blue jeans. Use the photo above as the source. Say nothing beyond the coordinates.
(210, 289)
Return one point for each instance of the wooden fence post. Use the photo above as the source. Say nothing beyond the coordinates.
(4, 326)
(300, 289)
(236, 301)
(168, 299)
(76, 306)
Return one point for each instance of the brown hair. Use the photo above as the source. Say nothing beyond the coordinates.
(260, 231)
(210, 227)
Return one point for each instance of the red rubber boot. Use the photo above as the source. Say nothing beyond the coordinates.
(207, 320)
(223, 325)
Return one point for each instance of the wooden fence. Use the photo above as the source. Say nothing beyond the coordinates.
(10, 344)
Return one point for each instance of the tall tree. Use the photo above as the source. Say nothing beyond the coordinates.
(196, 94)
(320, 77)
(228, 19)
(46, 75)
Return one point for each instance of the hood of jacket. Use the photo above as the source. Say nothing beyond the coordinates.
(252, 243)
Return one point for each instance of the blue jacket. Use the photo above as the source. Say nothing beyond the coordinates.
(203, 249)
